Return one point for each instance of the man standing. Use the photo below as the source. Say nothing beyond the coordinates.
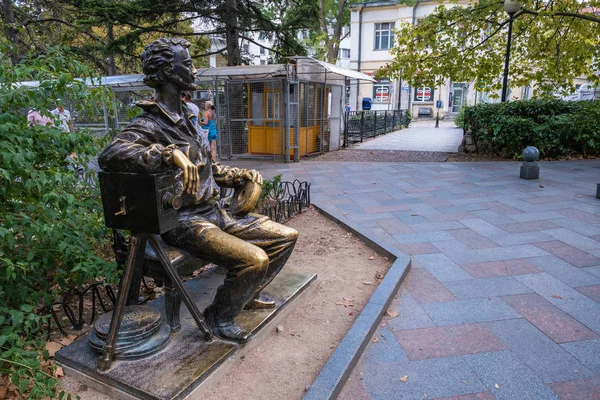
(252, 248)
(187, 98)
(63, 117)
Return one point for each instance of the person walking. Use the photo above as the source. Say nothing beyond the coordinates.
(63, 117)
(208, 122)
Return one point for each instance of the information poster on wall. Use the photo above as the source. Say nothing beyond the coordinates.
(424, 94)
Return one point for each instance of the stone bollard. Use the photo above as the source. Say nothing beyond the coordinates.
(530, 169)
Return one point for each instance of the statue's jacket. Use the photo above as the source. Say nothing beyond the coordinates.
(146, 146)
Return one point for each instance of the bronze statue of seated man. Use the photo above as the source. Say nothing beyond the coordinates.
(251, 247)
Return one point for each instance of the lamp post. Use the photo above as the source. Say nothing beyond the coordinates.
(511, 7)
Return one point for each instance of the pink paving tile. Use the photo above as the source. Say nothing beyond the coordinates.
(596, 238)
(491, 269)
(502, 208)
(394, 226)
(420, 190)
(448, 341)
(436, 201)
(472, 239)
(555, 323)
(475, 195)
(549, 199)
(593, 292)
(382, 209)
(588, 389)
(530, 226)
(580, 215)
(412, 249)
(424, 288)
(354, 389)
(449, 217)
(380, 196)
(569, 253)
(470, 396)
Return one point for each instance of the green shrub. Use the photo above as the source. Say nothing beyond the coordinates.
(51, 223)
(459, 120)
(557, 128)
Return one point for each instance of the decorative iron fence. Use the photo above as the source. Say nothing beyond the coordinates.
(362, 125)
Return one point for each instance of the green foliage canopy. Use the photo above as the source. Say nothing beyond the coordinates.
(553, 42)
(51, 224)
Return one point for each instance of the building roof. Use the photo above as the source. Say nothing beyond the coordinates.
(311, 66)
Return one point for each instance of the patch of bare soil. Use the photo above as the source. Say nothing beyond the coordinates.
(291, 356)
(357, 155)
(473, 157)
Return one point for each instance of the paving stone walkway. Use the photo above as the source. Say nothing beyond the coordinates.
(419, 136)
(503, 297)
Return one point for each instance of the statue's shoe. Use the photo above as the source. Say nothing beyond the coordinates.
(259, 304)
(228, 331)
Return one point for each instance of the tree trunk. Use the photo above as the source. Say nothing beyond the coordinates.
(232, 33)
(111, 68)
(12, 34)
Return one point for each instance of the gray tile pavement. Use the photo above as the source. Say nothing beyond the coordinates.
(450, 215)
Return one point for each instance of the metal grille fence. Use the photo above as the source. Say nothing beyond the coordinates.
(362, 125)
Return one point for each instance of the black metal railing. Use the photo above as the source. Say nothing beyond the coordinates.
(361, 125)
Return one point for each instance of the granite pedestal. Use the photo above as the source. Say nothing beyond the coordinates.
(187, 361)
(530, 170)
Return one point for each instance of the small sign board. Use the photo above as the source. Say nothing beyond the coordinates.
(424, 94)
(438, 104)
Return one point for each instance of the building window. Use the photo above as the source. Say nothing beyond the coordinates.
(526, 93)
(305, 34)
(261, 36)
(384, 36)
(382, 92)
(262, 50)
(246, 47)
(424, 94)
(262, 62)
(273, 101)
(345, 53)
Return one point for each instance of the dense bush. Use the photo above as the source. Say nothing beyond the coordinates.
(557, 128)
(50, 213)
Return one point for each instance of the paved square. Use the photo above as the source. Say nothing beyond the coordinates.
(503, 298)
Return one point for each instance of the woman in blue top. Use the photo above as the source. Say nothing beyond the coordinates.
(208, 122)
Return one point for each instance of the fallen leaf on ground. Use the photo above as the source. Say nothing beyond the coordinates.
(375, 339)
(65, 341)
(371, 258)
(404, 378)
(367, 283)
(53, 347)
(58, 372)
(496, 386)
(3, 392)
(392, 313)
(414, 214)
(556, 296)
(542, 186)
(424, 395)
(346, 302)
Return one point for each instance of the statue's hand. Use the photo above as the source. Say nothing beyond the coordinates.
(191, 178)
(252, 176)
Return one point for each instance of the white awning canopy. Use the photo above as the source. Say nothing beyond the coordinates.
(306, 66)
(243, 72)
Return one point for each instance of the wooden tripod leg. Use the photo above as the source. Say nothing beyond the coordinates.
(135, 259)
(178, 283)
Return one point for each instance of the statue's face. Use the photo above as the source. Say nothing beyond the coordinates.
(183, 69)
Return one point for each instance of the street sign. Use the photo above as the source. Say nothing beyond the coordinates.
(438, 104)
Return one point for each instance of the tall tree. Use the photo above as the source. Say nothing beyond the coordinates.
(334, 15)
(553, 42)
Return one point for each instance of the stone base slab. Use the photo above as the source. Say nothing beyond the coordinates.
(187, 361)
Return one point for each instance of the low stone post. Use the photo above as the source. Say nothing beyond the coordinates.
(530, 169)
